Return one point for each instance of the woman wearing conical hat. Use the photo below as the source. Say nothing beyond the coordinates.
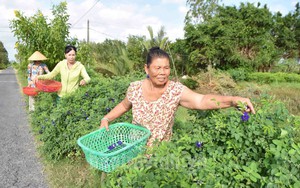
(35, 68)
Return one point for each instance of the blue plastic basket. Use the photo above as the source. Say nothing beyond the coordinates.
(107, 150)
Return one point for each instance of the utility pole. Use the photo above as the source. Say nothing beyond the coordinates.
(88, 32)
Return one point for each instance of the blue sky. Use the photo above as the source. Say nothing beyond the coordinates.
(116, 19)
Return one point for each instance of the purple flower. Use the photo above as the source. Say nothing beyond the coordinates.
(199, 144)
(245, 116)
(120, 142)
(111, 146)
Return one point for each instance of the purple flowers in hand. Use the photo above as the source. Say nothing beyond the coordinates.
(199, 144)
(245, 116)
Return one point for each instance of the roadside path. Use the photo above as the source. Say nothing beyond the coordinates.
(19, 164)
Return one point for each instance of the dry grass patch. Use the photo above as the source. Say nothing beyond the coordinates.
(289, 93)
(70, 174)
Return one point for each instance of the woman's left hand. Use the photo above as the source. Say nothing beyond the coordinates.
(82, 82)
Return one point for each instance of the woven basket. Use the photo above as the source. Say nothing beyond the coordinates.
(48, 85)
(107, 150)
(30, 91)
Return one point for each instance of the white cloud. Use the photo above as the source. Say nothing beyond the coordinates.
(175, 33)
(174, 1)
(117, 22)
(278, 8)
(183, 10)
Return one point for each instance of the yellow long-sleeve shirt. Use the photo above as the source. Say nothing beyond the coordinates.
(70, 78)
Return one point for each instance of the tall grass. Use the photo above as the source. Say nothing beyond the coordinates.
(289, 93)
(70, 174)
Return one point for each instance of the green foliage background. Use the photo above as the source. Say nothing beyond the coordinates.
(3, 56)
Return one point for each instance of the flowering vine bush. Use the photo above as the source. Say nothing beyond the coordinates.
(220, 149)
(59, 125)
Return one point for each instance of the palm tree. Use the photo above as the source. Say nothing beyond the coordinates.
(119, 63)
(160, 40)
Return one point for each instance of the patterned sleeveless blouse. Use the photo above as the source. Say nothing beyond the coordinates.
(34, 70)
(158, 116)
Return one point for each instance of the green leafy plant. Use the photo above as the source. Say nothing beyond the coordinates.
(239, 74)
(190, 83)
(260, 152)
(60, 123)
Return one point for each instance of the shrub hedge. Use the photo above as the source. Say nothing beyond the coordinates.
(263, 77)
(60, 123)
(218, 149)
(212, 149)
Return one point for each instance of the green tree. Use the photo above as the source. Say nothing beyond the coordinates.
(85, 54)
(180, 57)
(234, 37)
(285, 37)
(135, 50)
(287, 33)
(3, 56)
(38, 33)
(297, 26)
(201, 10)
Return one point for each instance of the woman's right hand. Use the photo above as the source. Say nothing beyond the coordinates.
(104, 123)
(35, 80)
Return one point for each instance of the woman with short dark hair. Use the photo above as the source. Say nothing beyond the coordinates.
(70, 71)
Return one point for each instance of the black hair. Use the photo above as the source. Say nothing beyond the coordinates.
(70, 48)
(156, 52)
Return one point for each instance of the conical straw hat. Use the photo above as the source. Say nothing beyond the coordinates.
(37, 56)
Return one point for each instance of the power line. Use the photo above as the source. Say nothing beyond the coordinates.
(80, 28)
(85, 13)
(115, 38)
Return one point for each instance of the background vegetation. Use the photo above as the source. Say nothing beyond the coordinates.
(3, 57)
(245, 50)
